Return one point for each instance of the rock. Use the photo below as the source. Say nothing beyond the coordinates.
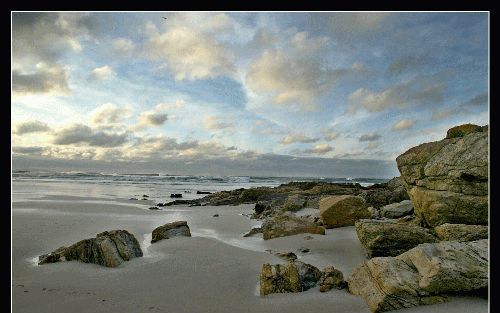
(379, 195)
(154, 208)
(253, 231)
(145, 196)
(176, 195)
(389, 238)
(133, 199)
(308, 237)
(290, 277)
(287, 225)
(422, 275)
(461, 232)
(447, 180)
(340, 211)
(304, 250)
(109, 248)
(144, 199)
(397, 210)
(203, 192)
(331, 278)
(179, 228)
(215, 215)
(160, 204)
(462, 130)
(374, 212)
(289, 256)
(294, 203)
(187, 191)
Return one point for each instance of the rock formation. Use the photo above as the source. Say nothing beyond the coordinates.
(288, 225)
(397, 210)
(447, 180)
(331, 278)
(461, 232)
(179, 228)
(340, 211)
(290, 277)
(109, 248)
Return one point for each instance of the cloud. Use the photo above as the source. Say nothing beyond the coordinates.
(370, 137)
(321, 148)
(46, 79)
(330, 134)
(480, 99)
(102, 73)
(212, 122)
(403, 124)
(123, 46)
(406, 63)
(420, 90)
(289, 139)
(178, 104)
(464, 108)
(189, 53)
(28, 150)
(31, 127)
(150, 119)
(108, 114)
(82, 134)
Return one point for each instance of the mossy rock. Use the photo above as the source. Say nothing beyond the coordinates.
(462, 130)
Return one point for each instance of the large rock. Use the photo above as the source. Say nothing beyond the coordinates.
(461, 232)
(294, 202)
(422, 275)
(397, 210)
(179, 228)
(331, 278)
(379, 195)
(340, 211)
(390, 238)
(447, 180)
(109, 248)
(290, 277)
(288, 225)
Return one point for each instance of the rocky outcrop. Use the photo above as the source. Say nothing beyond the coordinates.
(397, 210)
(290, 277)
(340, 211)
(447, 180)
(294, 203)
(390, 238)
(425, 274)
(288, 225)
(379, 195)
(109, 248)
(179, 228)
(461, 232)
(331, 278)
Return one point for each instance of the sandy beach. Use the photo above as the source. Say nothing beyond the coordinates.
(216, 270)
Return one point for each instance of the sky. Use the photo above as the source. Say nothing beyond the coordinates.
(242, 93)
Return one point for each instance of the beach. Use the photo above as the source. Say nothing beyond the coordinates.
(215, 270)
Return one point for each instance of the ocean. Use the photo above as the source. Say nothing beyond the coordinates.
(31, 184)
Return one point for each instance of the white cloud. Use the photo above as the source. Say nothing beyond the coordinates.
(212, 122)
(123, 46)
(102, 73)
(109, 114)
(289, 139)
(403, 124)
(321, 148)
(150, 119)
(178, 104)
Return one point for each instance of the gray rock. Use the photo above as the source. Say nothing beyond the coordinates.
(397, 210)
(179, 228)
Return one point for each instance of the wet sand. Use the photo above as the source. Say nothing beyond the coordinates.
(216, 270)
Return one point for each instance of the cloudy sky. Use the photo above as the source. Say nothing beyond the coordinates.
(335, 94)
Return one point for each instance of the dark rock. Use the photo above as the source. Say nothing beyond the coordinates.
(216, 215)
(133, 199)
(154, 208)
(176, 195)
(109, 248)
(179, 228)
(331, 278)
(160, 204)
(304, 250)
(203, 192)
(290, 277)
(145, 196)
(253, 231)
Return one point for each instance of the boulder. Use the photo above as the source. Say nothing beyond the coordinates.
(461, 232)
(379, 195)
(294, 202)
(331, 278)
(290, 277)
(253, 231)
(288, 225)
(462, 130)
(422, 275)
(340, 211)
(390, 238)
(397, 210)
(109, 248)
(447, 180)
(179, 228)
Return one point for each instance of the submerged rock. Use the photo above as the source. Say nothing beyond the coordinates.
(340, 211)
(290, 277)
(461, 232)
(331, 278)
(179, 228)
(288, 225)
(109, 248)
(390, 238)
(447, 180)
(397, 210)
(425, 274)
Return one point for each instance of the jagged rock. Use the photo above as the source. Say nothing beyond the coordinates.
(109, 248)
(287, 225)
(340, 211)
(390, 238)
(447, 180)
(422, 275)
(179, 228)
(331, 278)
(253, 231)
(461, 232)
(379, 195)
(397, 210)
(290, 277)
